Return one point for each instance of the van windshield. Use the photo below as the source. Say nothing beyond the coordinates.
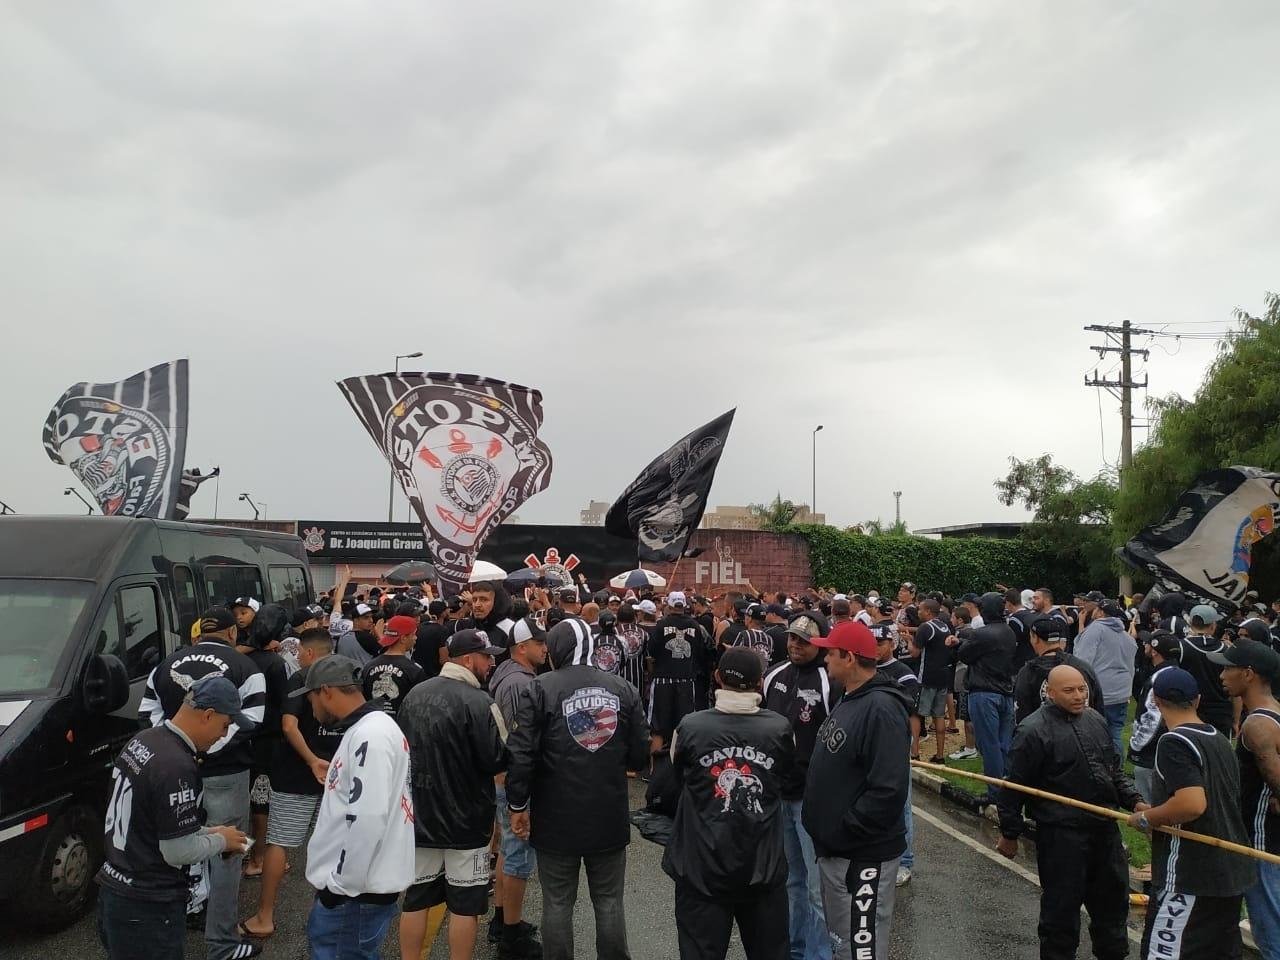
(37, 618)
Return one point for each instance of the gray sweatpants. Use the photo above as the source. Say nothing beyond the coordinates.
(226, 803)
(857, 898)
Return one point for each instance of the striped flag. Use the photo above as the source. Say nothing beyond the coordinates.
(465, 450)
(125, 441)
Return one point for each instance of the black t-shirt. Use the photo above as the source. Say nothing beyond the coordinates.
(901, 674)
(936, 657)
(388, 678)
(778, 631)
(677, 647)
(432, 638)
(155, 795)
(288, 772)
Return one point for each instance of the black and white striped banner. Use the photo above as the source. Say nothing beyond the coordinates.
(125, 441)
(465, 450)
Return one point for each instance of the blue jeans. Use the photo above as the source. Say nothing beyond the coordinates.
(808, 925)
(134, 929)
(1116, 714)
(351, 931)
(1263, 900)
(909, 855)
(992, 716)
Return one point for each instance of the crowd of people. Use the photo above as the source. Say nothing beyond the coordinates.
(431, 752)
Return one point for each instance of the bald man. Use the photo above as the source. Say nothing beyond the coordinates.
(1066, 748)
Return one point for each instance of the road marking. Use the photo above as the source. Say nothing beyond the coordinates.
(994, 857)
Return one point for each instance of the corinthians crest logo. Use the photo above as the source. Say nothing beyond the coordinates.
(552, 566)
(121, 454)
(738, 788)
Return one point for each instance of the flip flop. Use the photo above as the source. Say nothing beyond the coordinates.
(246, 932)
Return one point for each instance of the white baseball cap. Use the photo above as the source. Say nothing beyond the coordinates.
(839, 596)
(646, 606)
(676, 599)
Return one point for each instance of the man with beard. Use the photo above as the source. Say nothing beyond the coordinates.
(360, 643)
(1049, 646)
(490, 612)
(726, 853)
(1065, 748)
(801, 691)
(578, 731)
(677, 648)
(457, 744)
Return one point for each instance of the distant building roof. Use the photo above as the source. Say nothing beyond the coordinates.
(1002, 530)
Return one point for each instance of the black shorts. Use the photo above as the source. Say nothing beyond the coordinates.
(1182, 925)
(457, 878)
(670, 701)
(264, 750)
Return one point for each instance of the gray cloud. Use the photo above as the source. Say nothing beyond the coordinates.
(892, 219)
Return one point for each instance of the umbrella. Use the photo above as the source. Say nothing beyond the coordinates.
(411, 571)
(519, 579)
(634, 579)
(484, 571)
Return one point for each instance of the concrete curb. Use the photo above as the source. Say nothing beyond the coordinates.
(948, 791)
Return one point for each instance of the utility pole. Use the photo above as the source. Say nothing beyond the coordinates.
(1120, 340)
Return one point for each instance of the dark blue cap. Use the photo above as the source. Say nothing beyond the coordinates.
(1175, 685)
(215, 692)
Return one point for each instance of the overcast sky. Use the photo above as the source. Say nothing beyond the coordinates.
(889, 218)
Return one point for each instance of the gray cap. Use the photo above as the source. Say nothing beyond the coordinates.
(1205, 614)
(332, 671)
(215, 692)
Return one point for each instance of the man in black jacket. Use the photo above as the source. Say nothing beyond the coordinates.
(801, 691)
(578, 731)
(1066, 748)
(224, 767)
(989, 654)
(457, 743)
(856, 795)
(678, 649)
(1049, 645)
(726, 852)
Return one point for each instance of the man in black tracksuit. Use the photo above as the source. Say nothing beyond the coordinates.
(578, 731)
(856, 795)
(726, 852)
(1066, 748)
(1049, 646)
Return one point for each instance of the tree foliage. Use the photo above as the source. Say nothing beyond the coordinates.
(776, 515)
(1234, 418)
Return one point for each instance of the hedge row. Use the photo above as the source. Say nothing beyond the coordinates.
(955, 565)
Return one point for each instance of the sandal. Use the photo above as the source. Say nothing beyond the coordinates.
(938, 760)
(246, 932)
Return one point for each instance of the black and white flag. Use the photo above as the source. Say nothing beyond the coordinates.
(191, 480)
(1205, 544)
(465, 450)
(664, 505)
(125, 441)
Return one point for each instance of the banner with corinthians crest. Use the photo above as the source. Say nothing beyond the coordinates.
(664, 505)
(125, 441)
(465, 450)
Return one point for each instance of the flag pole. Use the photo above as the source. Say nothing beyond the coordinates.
(1103, 811)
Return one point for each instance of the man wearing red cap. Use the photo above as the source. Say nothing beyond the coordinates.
(856, 795)
(392, 674)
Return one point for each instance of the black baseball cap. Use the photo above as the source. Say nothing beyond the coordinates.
(454, 603)
(471, 641)
(969, 598)
(884, 605)
(408, 608)
(570, 594)
(1166, 644)
(741, 606)
(215, 692)
(1049, 629)
(1175, 685)
(740, 668)
(757, 611)
(777, 610)
(1258, 657)
(1093, 596)
(216, 619)
(331, 671)
(302, 615)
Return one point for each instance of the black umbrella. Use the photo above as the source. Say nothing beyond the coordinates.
(520, 579)
(411, 571)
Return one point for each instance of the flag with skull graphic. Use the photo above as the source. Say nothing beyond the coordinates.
(465, 450)
(664, 505)
(125, 441)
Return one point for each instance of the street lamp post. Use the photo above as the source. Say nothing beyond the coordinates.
(249, 500)
(813, 501)
(391, 489)
(73, 492)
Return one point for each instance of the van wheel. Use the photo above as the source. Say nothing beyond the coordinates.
(62, 888)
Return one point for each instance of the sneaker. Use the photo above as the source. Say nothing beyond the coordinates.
(495, 931)
(904, 877)
(246, 950)
(524, 946)
(965, 753)
(195, 921)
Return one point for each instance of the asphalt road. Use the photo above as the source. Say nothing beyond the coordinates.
(959, 905)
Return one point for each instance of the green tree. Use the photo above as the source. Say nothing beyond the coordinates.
(1072, 517)
(1234, 418)
(776, 515)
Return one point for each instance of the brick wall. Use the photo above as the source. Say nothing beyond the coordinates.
(770, 561)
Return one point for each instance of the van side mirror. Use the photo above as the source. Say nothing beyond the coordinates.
(106, 684)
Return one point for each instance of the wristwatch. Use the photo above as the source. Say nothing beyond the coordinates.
(1143, 822)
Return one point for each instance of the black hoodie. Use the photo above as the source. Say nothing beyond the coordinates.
(855, 799)
(989, 650)
(578, 731)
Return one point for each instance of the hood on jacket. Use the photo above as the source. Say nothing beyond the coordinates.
(269, 624)
(1114, 624)
(1172, 605)
(502, 608)
(888, 685)
(570, 642)
(504, 669)
(1258, 631)
(991, 606)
